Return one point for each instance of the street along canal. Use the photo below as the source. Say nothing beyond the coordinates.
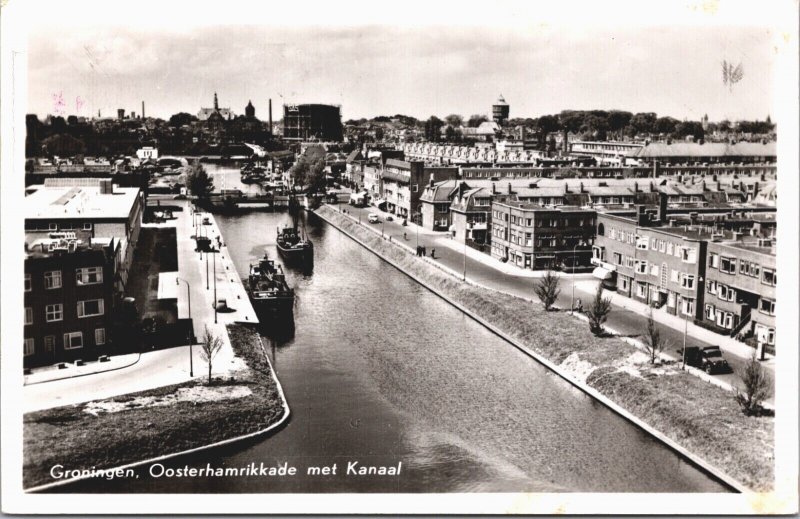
(379, 370)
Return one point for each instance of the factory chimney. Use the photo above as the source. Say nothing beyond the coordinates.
(270, 117)
(142, 109)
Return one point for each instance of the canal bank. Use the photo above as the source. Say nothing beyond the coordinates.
(106, 437)
(689, 416)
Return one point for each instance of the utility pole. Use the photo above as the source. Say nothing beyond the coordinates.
(215, 288)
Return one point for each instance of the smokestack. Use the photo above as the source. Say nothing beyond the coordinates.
(509, 188)
(662, 207)
(270, 117)
(142, 109)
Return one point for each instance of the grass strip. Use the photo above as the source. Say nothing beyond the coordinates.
(77, 440)
(699, 416)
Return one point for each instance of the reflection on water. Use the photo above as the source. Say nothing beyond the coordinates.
(380, 371)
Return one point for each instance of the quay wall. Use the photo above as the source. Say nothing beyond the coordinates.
(420, 270)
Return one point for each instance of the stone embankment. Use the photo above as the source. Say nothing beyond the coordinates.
(699, 421)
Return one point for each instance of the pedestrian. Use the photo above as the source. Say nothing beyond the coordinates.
(424, 251)
(405, 236)
(579, 305)
(433, 253)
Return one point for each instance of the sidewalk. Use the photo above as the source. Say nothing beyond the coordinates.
(676, 322)
(51, 373)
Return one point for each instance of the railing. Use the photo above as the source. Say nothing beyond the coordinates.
(742, 321)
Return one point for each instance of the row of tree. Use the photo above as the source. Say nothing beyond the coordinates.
(756, 383)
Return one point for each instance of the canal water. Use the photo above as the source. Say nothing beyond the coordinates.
(380, 371)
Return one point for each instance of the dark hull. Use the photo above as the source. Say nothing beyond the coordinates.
(296, 253)
(272, 304)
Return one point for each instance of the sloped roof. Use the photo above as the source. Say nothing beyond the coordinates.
(354, 156)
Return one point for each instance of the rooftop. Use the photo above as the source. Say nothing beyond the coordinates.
(708, 149)
(50, 202)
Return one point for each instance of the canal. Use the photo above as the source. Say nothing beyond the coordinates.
(379, 370)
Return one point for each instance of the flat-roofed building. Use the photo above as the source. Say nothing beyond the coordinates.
(69, 296)
(95, 206)
(536, 238)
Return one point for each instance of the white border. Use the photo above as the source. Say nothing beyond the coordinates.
(155, 14)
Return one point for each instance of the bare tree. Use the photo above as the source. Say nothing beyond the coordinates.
(653, 342)
(757, 386)
(547, 289)
(209, 347)
(598, 311)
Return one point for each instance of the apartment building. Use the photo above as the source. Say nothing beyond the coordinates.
(535, 238)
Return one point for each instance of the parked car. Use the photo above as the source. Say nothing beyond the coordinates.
(373, 218)
(708, 358)
(389, 218)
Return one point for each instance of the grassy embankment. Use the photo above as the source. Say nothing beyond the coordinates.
(78, 440)
(701, 417)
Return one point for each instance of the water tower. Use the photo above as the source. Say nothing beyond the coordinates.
(500, 111)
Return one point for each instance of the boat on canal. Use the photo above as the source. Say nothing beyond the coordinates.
(267, 287)
(292, 246)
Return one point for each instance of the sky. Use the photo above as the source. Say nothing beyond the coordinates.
(386, 69)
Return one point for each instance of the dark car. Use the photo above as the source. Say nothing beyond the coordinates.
(708, 358)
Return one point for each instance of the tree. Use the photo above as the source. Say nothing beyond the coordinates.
(454, 120)
(476, 120)
(653, 343)
(643, 122)
(685, 128)
(757, 386)
(666, 125)
(547, 289)
(309, 172)
(598, 311)
(200, 184)
(209, 347)
(433, 127)
(181, 119)
(63, 145)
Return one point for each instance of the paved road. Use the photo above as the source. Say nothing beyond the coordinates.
(625, 322)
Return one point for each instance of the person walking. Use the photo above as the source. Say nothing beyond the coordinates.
(433, 253)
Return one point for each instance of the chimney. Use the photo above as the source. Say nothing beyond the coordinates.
(703, 184)
(509, 188)
(635, 187)
(270, 116)
(662, 207)
(582, 189)
(641, 216)
(142, 109)
(494, 189)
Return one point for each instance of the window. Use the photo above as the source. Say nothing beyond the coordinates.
(687, 306)
(767, 307)
(53, 227)
(28, 347)
(27, 282)
(726, 293)
(89, 275)
(711, 287)
(49, 343)
(87, 227)
(28, 315)
(54, 313)
(52, 279)
(73, 340)
(661, 245)
(710, 312)
(653, 244)
(99, 336)
(687, 281)
(641, 289)
(727, 265)
(688, 255)
(675, 276)
(629, 262)
(641, 267)
(618, 258)
(768, 277)
(654, 270)
(90, 308)
(414, 188)
(641, 243)
(669, 248)
(713, 260)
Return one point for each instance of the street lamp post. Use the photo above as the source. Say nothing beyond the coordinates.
(685, 331)
(572, 301)
(192, 338)
(215, 288)
(206, 270)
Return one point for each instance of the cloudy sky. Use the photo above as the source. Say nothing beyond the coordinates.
(385, 69)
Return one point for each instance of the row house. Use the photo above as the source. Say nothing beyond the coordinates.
(435, 203)
(713, 269)
(402, 183)
(661, 266)
(741, 280)
(69, 297)
(533, 237)
(471, 214)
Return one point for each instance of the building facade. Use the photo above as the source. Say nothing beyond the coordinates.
(535, 238)
(69, 298)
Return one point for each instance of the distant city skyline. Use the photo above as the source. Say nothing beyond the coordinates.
(381, 70)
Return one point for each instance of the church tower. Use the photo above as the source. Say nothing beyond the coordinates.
(250, 110)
